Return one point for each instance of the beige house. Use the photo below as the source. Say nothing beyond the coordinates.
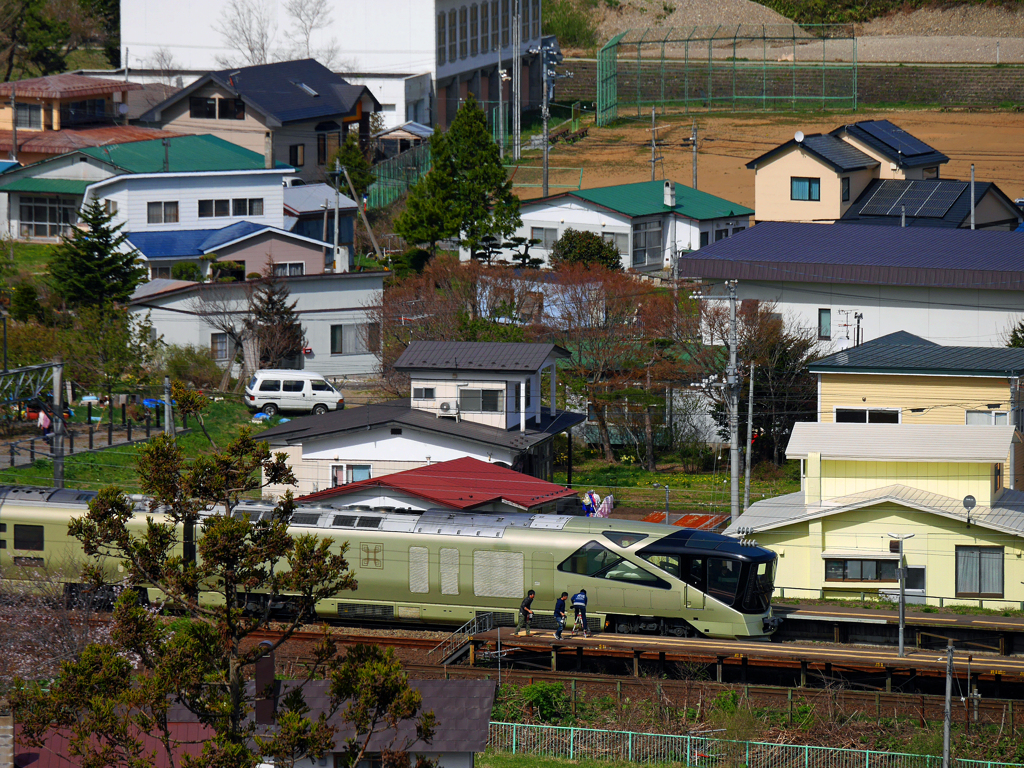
(864, 486)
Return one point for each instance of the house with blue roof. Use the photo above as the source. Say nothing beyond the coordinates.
(956, 287)
(650, 222)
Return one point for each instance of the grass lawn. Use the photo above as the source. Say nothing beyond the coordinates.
(32, 257)
(92, 471)
(633, 486)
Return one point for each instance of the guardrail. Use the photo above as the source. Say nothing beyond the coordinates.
(703, 752)
(483, 622)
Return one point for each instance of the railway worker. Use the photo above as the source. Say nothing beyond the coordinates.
(579, 604)
(525, 612)
(560, 615)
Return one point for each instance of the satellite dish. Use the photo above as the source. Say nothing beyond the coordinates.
(799, 136)
(843, 343)
(122, 109)
(970, 503)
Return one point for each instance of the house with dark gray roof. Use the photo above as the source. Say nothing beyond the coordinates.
(478, 399)
(296, 112)
(817, 178)
(952, 286)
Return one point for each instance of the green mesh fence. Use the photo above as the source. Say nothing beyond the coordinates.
(395, 175)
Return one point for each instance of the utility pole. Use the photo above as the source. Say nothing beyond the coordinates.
(733, 388)
(362, 214)
(947, 715)
(545, 113)
(750, 435)
(14, 125)
(693, 142)
(168, 410)
(337, 208)
(58, 424)
(654, 144)
(517, 80)
(502, 77)
(972, 195)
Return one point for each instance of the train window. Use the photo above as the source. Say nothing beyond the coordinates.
(631, 573)
(723, 579)
(449, 571)
(28, 537)
(31, 562)
(695, 573)
(368, 522)
(589, 560)
(3, 543)
(670, 564)
(624, 539)
(418, 561)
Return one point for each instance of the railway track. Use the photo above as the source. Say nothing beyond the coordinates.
(344, 638)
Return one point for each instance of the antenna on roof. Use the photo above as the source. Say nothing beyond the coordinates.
(799, 136)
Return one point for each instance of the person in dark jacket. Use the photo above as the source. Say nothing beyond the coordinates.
(525, 612)
(560, 615)
(579, 604)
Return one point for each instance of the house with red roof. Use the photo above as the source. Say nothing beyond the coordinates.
(464, 485)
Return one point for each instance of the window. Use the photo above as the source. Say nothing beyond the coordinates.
(326, 145)
(297, 155)
(158, 272)
(930, 173)
(219, 346)
(861, 570)
(824, 323)
(594, 560)
(453, 36)
(801, 188)
(867, 415)
(474, 29)
(162, 213)
(202, 107)
(422, 393)
(545, 237)
(705, 238)
(28, 537)
(212, 208)
(524, 15)
(242, 206)
(319, 385)
(737, 229)
(647, 244)
(46, 216)
(485, 30)
(915, 578)
(845, 186)
(721, 234)
(418, 565)
(535, 16)
(987, 418)
(290, 269)
(356, 472)
(619, 239)
(441, 50)
(463, 34)
(479, 400)
(495, 16)
(29, 116)
(270, 385)
(232, 109)
(979, 571)
(355, 339)
(449, 567)
(293, 385)
(110, 207)
(723, 579)
(504, 23)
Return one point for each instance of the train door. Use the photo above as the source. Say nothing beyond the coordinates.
(543, 572)
(695, 579)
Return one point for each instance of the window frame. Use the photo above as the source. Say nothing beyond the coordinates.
(813, 189)
(860, 579)
(643, 230)
(453, 36)
(297, 155)
(463, 32)
(289, 269)
(168, 212)
(980, 594)
(219, 341)
(442, 38)
(867, 414)
(367, 338)
(485, 27)
(236, 111)
(498, 394)
(822, 336)
(28, 116)
(844, 187)
(209, 109)
(548, 237)
(58, 216)
(38, 532)
(423, 393)
(992, 420)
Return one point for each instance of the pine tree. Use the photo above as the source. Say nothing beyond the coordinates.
(429, 215)
(351, 156)
(95, 265)
(275, 324)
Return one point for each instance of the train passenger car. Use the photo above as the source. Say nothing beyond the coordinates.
(441, 567)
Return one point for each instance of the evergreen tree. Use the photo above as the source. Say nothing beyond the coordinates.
(583, 247)
(350, 155)
(95, 265)
(429, 215)
(1015, 338)
(25, 304)
(275, 324)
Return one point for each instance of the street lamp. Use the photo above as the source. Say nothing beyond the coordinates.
(902, 571)
(659, 485)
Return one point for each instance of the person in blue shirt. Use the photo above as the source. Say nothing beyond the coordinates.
(560, 615)
(579, 604)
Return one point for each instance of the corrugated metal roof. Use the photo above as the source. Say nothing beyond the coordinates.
(65, 87)
(158, 285)
(900, 442)
(196, 242)
(923, 357)
(186, 154)
(841, 155)
(864, 255)
(309, 198)
(71, 139)
(1006, 515)
(476, 356)
(648, 197)
(53, 186)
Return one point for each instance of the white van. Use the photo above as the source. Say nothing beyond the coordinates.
(273, 390)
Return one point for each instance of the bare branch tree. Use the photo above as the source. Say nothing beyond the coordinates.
(309, 17)
(247, 27)
(228, 308)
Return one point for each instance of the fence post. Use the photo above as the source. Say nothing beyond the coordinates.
(789, 695)
(807, 757)
(92, 431)
(12, 454)
(572, 743)
(631, 746)
(110, 433)
(124, 414)
(71, 441)
(129, 430)
(32, 450)
(514, 729)
(574, 697)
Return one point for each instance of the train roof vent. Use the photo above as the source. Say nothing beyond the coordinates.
(305, 518)
(368, 522)
(345, 521)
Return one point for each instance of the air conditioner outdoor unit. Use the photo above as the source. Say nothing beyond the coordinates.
(448, 408)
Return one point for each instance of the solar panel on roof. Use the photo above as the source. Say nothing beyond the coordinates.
(885, 197)
(927, 199)
(895, 137)
(938, 204)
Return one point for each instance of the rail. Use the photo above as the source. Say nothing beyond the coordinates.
(703, 752)
(483, 622)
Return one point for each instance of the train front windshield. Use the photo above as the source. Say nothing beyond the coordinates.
(760, 583)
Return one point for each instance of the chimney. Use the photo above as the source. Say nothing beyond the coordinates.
(670, 194)
(6, 735)
(266, 686)
(268, 149)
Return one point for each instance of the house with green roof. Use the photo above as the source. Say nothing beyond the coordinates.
(650, 223)
(180, 182)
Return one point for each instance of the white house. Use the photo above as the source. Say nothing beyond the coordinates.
(419, 57)
(958, 287)
(481, 400)
(333, 310)
(650, 222)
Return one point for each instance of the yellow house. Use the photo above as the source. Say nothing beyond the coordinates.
(866, 485)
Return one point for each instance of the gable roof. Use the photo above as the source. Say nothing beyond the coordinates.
(476, 356)
(400, 413)
(647, 198)
(185, 154)
(465, 483)
(840, 155)
(72, 139)
(901, 442)
(309, 198)
(927, 203)
(65, 87)
(901, 338)
(197, 242)
(893, 143)
(923, 358)
(284, 92)
(862, 255)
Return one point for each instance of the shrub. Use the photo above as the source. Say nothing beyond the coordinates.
(583, 247)
(186, 270)
(191, 364)
(549, 700)
(572, 22)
